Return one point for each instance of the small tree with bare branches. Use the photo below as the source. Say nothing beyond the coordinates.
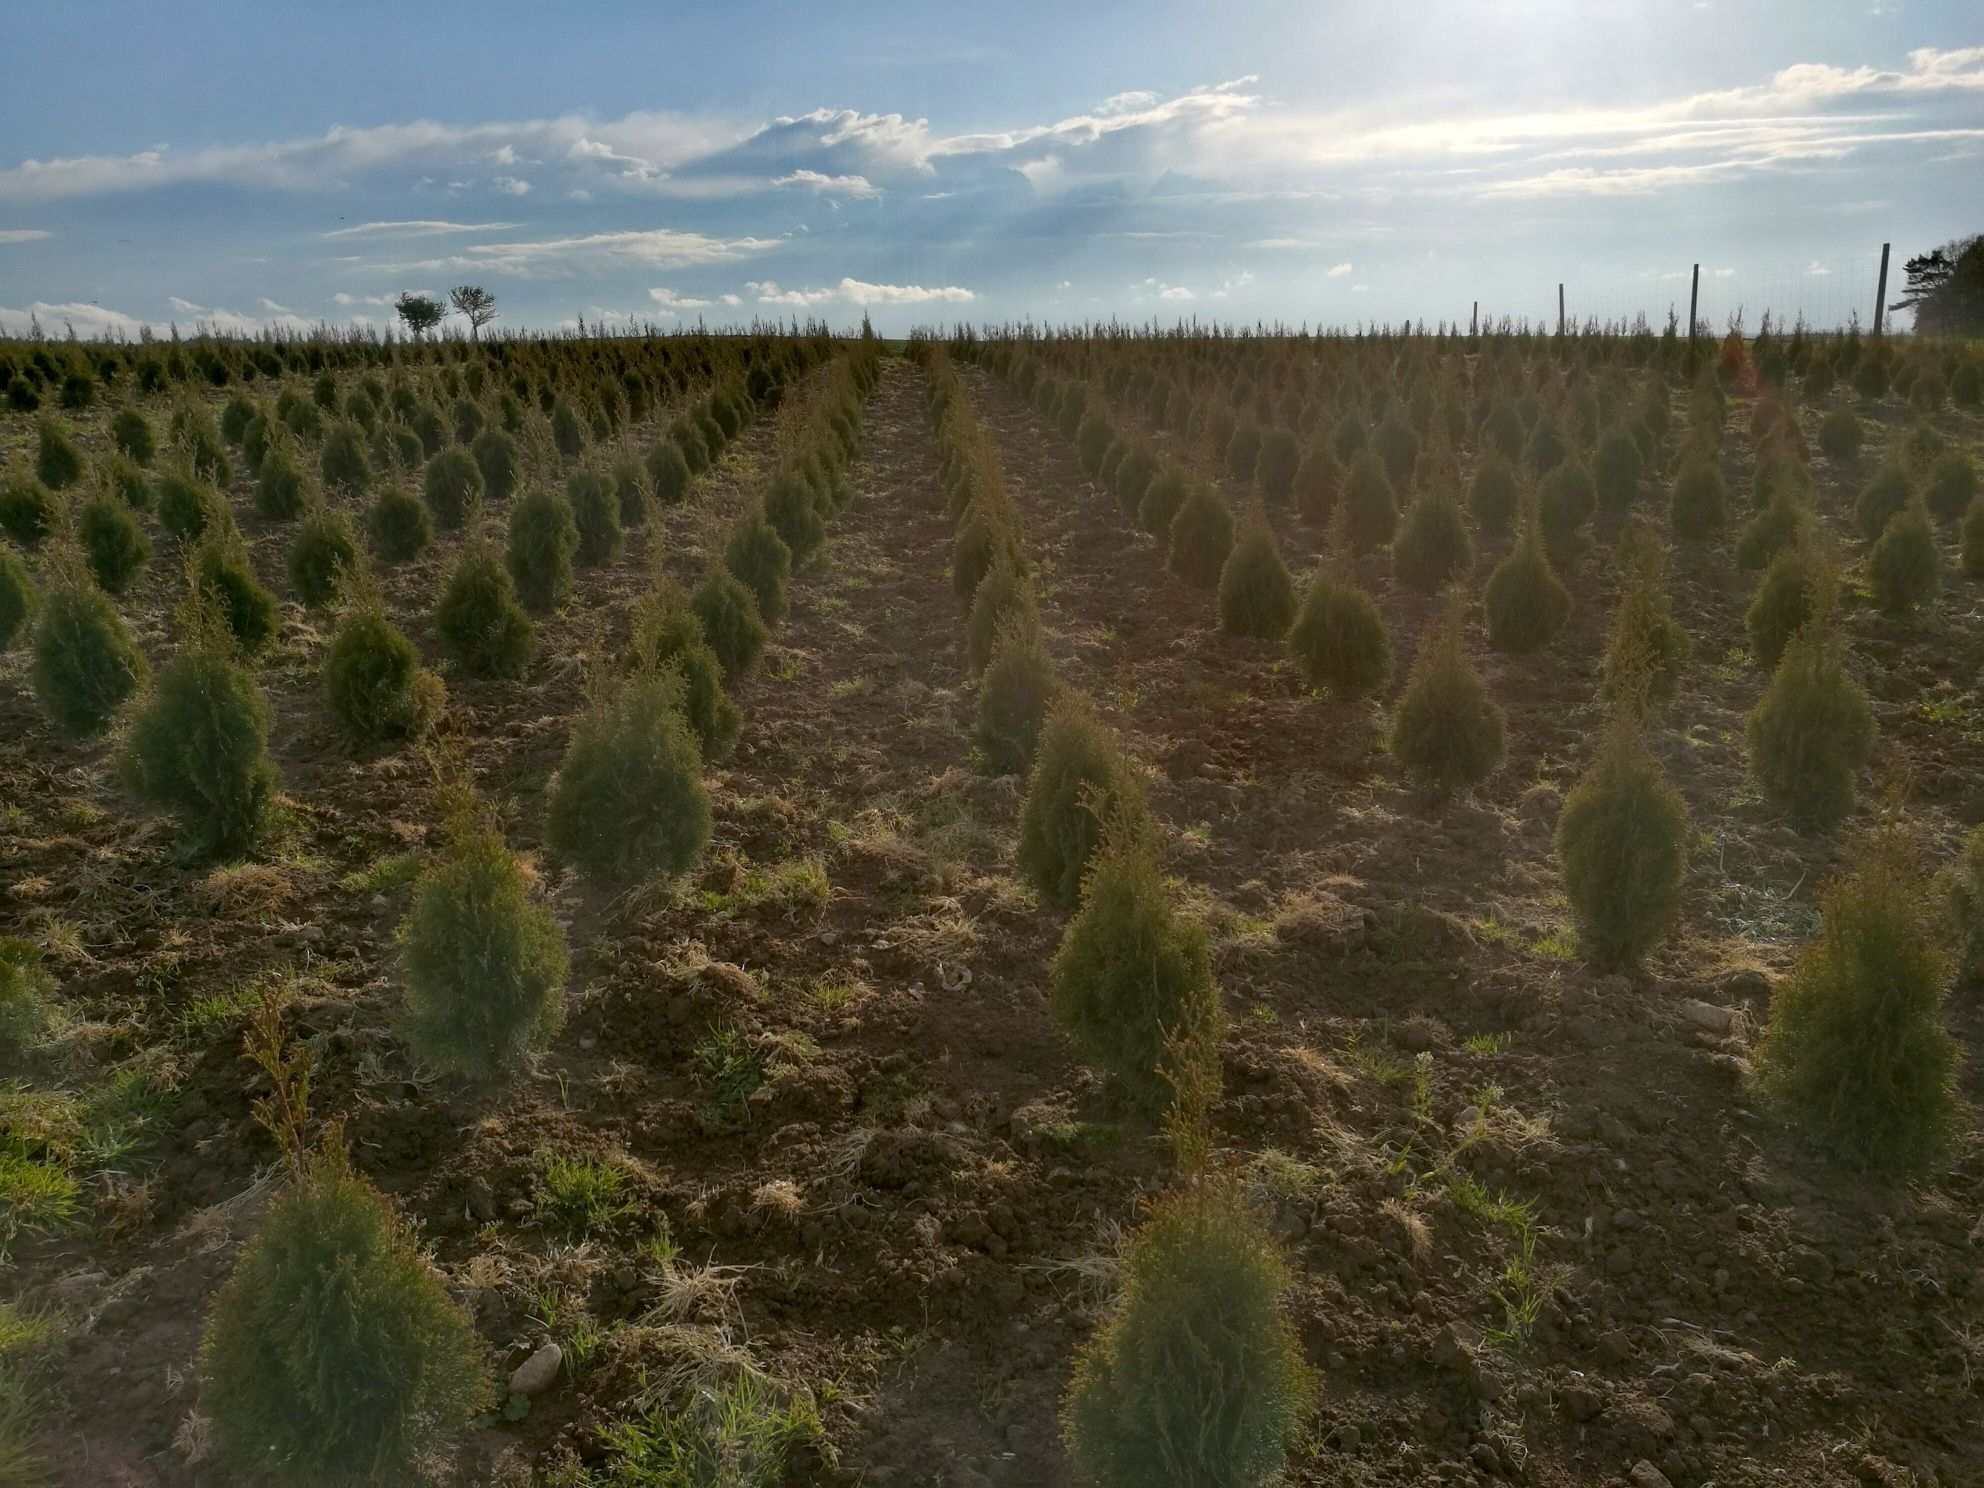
(474, 304)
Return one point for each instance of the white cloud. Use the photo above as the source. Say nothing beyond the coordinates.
(653, 248)
(234, 323)
(87, 319)
(1228, 132)
(417, 228)
(854, 187)
(857, 292)
(23, 234)
(1175, 292)
(1125, 103)
(672, 303)
(1338, 271)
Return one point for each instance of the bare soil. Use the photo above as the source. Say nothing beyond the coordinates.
(1542, 1232)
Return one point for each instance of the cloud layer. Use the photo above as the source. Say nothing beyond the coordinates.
(1223, 192)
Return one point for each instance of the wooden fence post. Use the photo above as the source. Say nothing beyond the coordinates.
(1694, 299)
(1881, 295)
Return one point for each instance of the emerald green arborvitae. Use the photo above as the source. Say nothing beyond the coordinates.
(1856, 1054)
(1196, 1379)
(334, 1356)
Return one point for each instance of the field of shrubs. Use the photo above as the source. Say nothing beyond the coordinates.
(1016, 908)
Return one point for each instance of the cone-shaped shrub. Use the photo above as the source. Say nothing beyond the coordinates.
(1163, 497)
(281, 488)
(1526, 603)
(1856, 1054)
(1905, 571)
(1698, 503)
(188, 506)
(1315, 490)
(758, 556)
(1131, 479)
(373, 678)
(342, 463)
(1952, 485)
(1004, 602)
(197, 746)
(630, 489)
(127, 481)
(1132, 974)
(1366, 513)
(1196, 1379)
(1092, 440)
(596, 513)
(495, 455)
(484, 629)
(483, 966)
(668, 472)
(568, 434)
(85, 663)
(1565, 504)
(451, 487)
(27, 510)
(1014, 697)
(983, 536)
(1243, 451)
(1545, 447)
(132, 433)
(1812, 731)
(1338, 640)
(1840, 434)
(793, 510)
(1080, 780)
(1780, 525)
(543, 537)
(199, 439)
(668, 635)
(222, 573)
(1883, 496)
(1616, 469)
(1494, 495)
(628, 804)
(1200, 538)
(1646, 649)
(1398, 447)
(1959, 899)
(1275, 467)
(112, 541)
(397, 526)
(57, 462)
(334, 1355)
(18, 598)
(1432, 545)
(731, 623)
(325, 551)
(1447, 734)
(1786, 597)
(1622, 843)
(1256, 594)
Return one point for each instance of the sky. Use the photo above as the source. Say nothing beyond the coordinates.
(235, 165)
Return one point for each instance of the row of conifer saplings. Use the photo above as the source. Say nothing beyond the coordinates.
(334, 1352)
(1196, 1375)
(1856, 1022)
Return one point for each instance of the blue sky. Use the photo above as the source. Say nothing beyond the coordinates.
(248, 163)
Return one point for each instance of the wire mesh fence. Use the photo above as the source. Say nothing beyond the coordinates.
(1825, 295)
